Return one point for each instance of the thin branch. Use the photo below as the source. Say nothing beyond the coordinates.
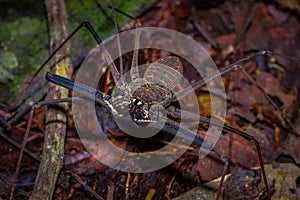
(54, 140)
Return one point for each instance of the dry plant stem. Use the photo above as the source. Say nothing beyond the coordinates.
(86, 186)
(173, 178)
(205, 34)
(14, 179)
(22, 147)
(18, 146)
(225, 170)
(54, 139)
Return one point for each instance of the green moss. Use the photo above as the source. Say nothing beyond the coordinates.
(8, 63)
(24, 40)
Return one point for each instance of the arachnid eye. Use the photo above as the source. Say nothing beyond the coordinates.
(169, 95)
(136, 101)
(138, 110)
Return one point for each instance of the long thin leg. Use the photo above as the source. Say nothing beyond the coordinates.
(134, 73)
(230, 68)
(118, 42)
(115, 73)
(134, 64)
(193, 117)
(172, 127)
